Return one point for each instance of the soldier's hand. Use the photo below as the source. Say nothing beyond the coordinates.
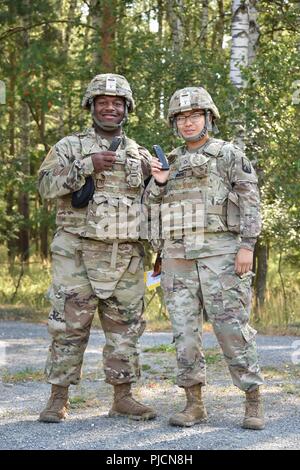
(243, 261)
(103, 160)
(160, 175)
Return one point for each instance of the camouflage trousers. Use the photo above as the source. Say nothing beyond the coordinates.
(210, 283)
(84, 279)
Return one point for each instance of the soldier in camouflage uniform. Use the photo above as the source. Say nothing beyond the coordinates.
(96, 260)
(208, 268)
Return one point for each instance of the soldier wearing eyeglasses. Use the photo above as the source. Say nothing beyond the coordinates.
(211, 199)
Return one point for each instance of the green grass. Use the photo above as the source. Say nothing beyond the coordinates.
(146, 367)
(79, 402)
(28, 302)
(25, 375)
(161, 348)
(280, 315)
(213, 356)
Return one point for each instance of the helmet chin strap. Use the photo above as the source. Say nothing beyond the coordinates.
(208, 127)
(108, 126)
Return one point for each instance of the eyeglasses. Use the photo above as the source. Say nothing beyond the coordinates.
(194, 117)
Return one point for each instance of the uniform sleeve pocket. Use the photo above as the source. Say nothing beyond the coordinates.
(248, 333)
(57, 298)
(233, 213)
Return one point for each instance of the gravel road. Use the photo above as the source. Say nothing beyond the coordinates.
(23, 349)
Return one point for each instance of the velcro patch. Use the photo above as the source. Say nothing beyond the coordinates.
(185, 100)
(111, 84)
(246, 165)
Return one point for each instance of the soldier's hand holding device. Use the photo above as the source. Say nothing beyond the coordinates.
(104, 160)
(159, 166)
(101, 161)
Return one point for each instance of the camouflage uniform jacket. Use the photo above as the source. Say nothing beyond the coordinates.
(68, 164)
(220, 177)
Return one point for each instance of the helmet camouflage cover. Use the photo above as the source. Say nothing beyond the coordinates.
(108, 84)
(190, 98)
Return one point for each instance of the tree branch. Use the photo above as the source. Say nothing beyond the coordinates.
(19, 29)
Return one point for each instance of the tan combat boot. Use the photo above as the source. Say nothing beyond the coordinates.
(254, 413)
(194, 412)
(125, 405)
(56, 408)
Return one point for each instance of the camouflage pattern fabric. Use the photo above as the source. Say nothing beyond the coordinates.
(198, 272)
(109, 84)
(219, 178)
(82, 280)
(90, 267)
(69, 162)
(190, 98)
(211, 283)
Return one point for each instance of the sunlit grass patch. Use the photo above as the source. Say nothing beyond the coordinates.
(79, 401)
(25, 375)
(160, 348)
(213, 356)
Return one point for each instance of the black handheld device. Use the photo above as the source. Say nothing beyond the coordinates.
(115, 143)
(161, 157)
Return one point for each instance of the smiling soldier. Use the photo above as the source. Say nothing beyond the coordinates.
(93, 266)
(210, 270)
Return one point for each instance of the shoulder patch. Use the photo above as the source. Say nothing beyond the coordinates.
(246, 165)
(174, 154)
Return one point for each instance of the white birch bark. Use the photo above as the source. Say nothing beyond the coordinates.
(245, 34)
(240, 41)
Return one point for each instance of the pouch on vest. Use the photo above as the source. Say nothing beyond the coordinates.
(233, 213)
(199, 164)
(82, 197)
(133, 172)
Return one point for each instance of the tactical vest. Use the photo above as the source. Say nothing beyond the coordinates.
(197, 184)
(114, 211)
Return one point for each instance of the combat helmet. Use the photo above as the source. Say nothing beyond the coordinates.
(109, 84)
(188, 99)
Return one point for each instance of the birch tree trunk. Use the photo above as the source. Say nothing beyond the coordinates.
(240, 41)
(175, 17)
(245, 36)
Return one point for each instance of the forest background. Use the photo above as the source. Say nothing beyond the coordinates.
(245, 53)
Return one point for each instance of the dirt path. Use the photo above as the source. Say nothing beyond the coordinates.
(23, 349)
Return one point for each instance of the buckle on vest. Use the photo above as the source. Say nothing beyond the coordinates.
(100, 182)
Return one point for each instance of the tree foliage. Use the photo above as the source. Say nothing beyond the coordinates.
(50, 50)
